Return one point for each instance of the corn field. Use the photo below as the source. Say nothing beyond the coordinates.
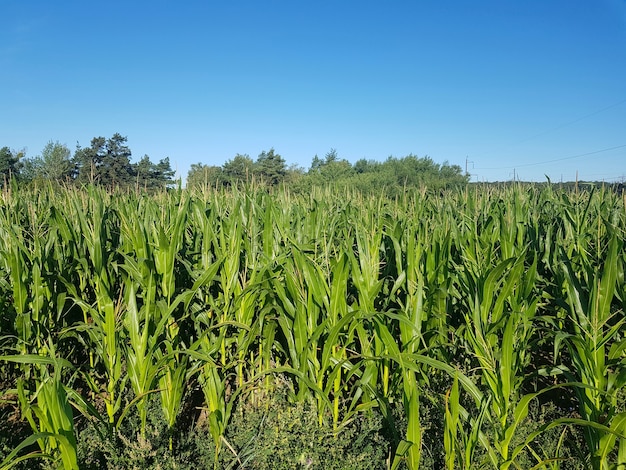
(485, 301)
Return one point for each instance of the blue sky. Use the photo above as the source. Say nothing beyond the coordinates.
(528, 88)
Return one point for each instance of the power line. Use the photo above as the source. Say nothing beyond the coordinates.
(560, 126)
(607, 178)
(555, 160)
(569, 123)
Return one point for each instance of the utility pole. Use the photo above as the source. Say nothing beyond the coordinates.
(467, 161)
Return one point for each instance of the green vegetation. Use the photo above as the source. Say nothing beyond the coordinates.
(106, 163)
(252, 327)
(393, 177)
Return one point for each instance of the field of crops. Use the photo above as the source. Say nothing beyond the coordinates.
(455, 317)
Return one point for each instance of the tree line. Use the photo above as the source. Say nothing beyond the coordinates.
(391, 177)
(105, 162)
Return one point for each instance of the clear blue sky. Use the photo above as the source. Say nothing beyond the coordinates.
(509, 85)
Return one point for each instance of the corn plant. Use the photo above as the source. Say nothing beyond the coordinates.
(101, 317)
(47, 407)
(597, 347)
(352, 301)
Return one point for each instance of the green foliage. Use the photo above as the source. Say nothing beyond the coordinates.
(105, 162)
(330, 170)
(393, 178)
(54, 163)
(239, 169)
(479, 327)
(153, 176)
(98, 449)
(271, 167)
(276, 434)
(204, 177)
(9, 164)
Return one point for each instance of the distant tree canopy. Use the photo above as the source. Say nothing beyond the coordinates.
(106, 162)
(391, 177)
(239, 169)
(54, 163)
(269, 168)
(205, 176)
(153, 176)
(9, 164)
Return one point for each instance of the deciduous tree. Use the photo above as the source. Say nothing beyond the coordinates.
(204, 176)
(54, 163)
(239, 169)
